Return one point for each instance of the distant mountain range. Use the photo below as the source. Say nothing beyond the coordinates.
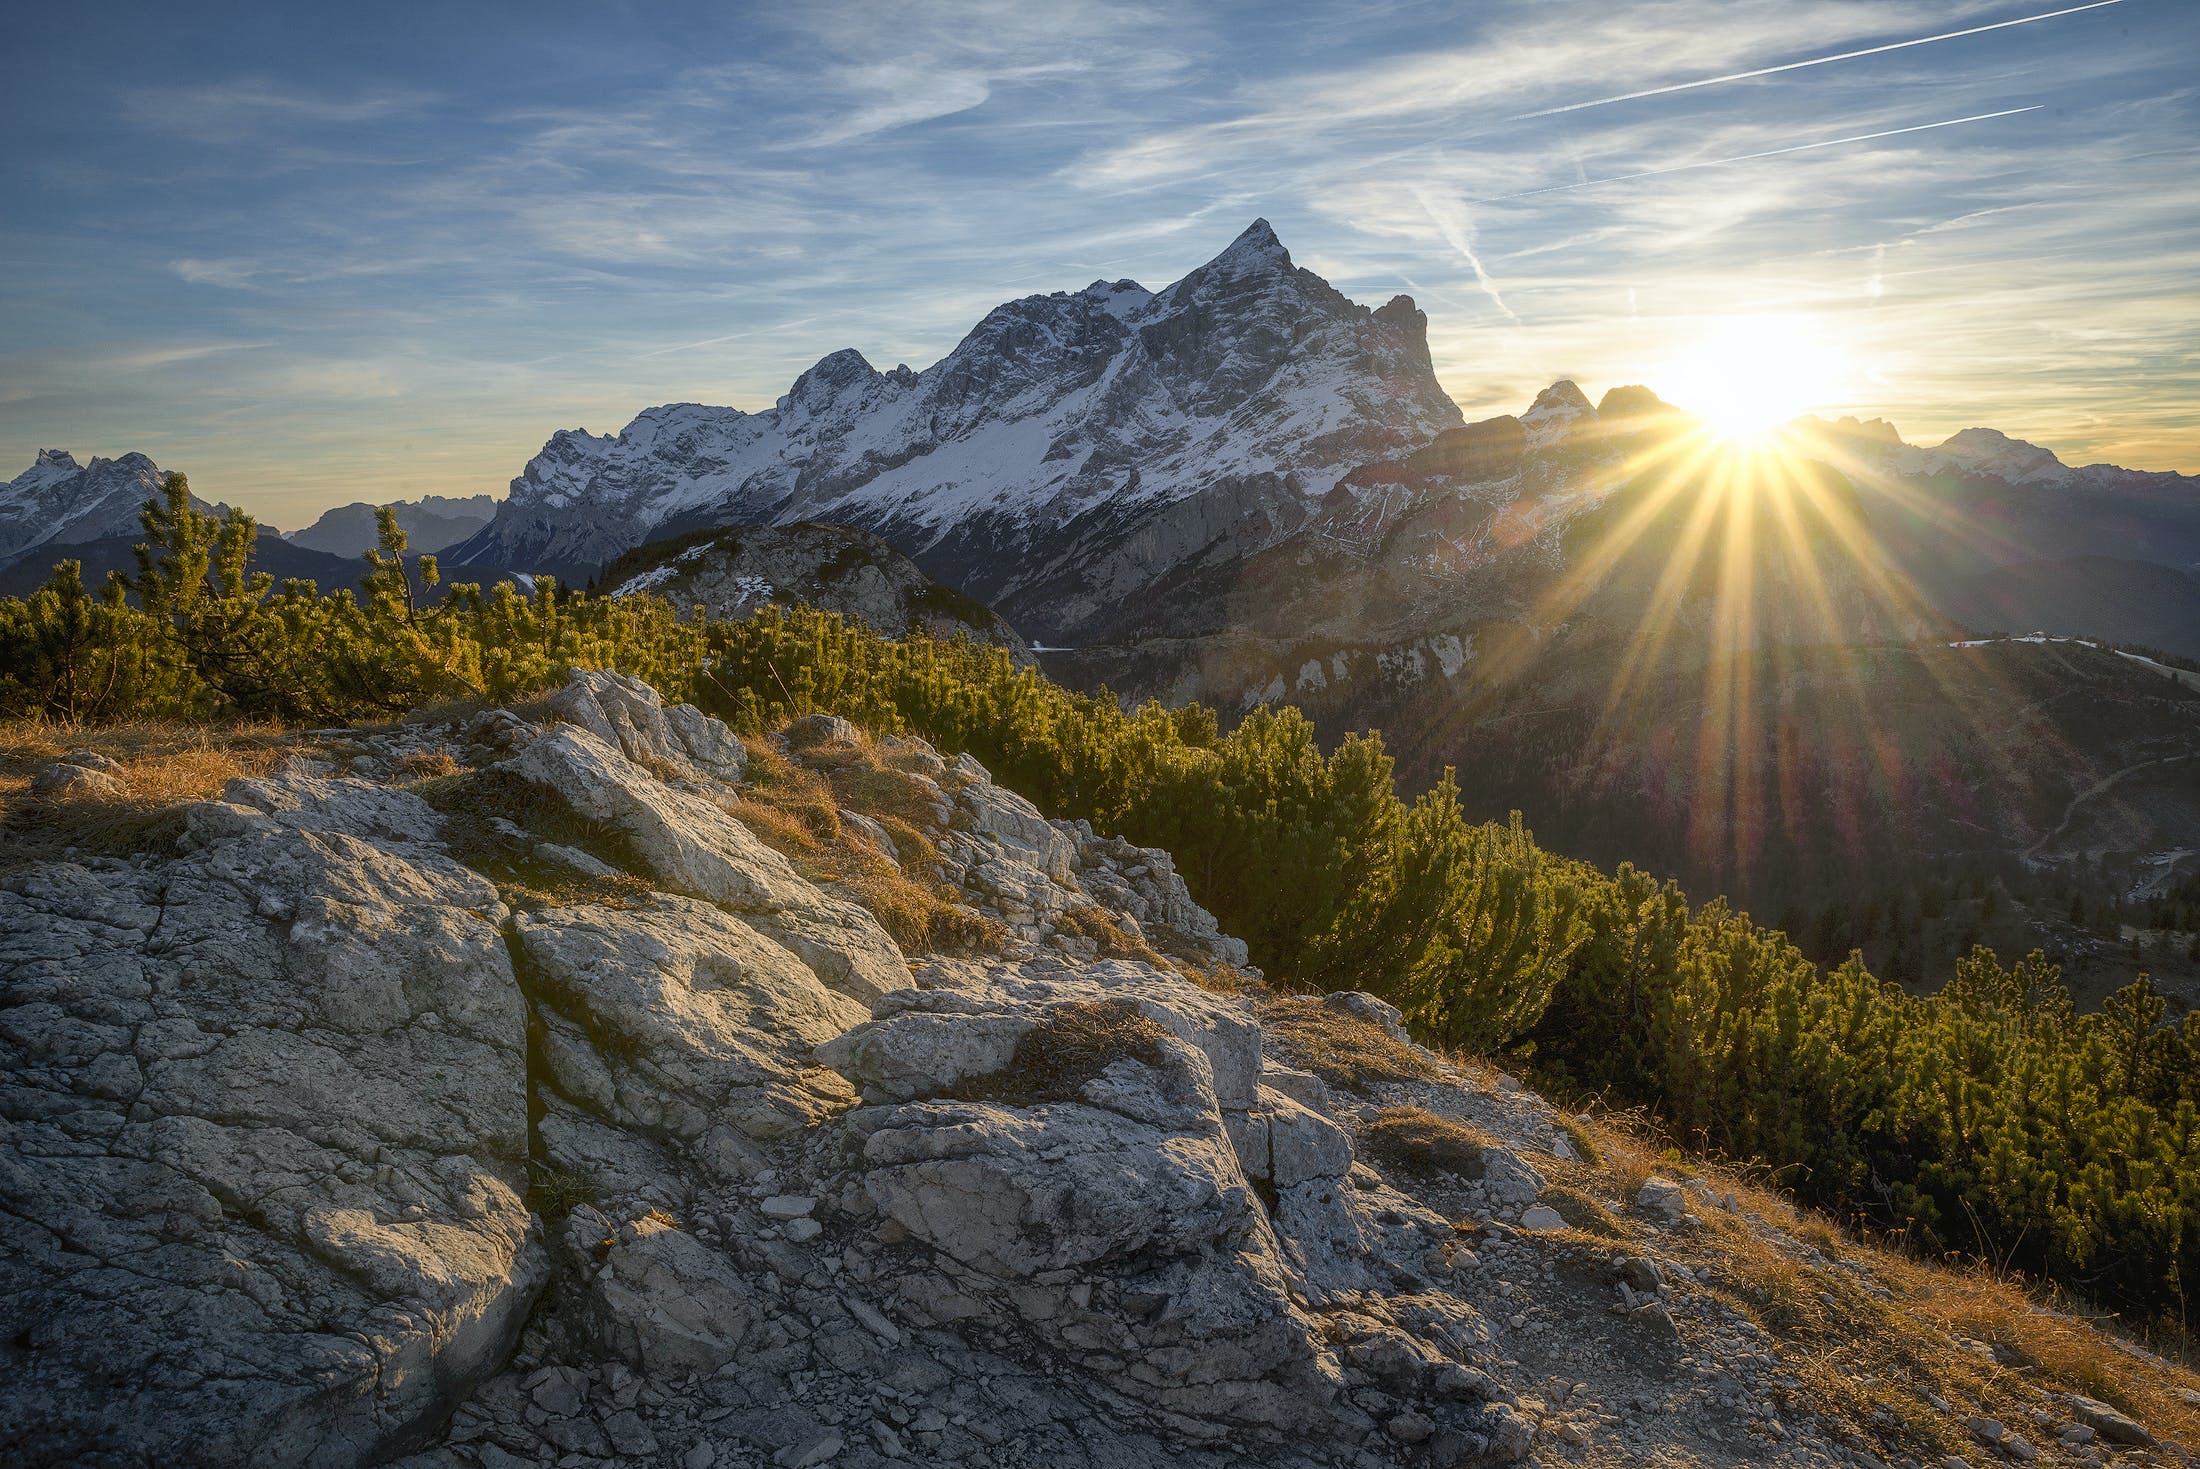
(429, 523)
(1073, 448)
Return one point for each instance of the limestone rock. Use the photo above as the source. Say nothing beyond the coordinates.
(1662, 1198)
(661, 1299)
(694, 847)
(263, 1172)
(626, 713)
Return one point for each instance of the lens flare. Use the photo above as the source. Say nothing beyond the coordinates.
(1746, 377)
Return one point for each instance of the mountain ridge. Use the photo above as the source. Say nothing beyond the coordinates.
(1068, 449)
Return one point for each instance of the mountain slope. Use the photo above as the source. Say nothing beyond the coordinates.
(633, 1142)
(2000, 534)
(732, 572)
(1072, 448)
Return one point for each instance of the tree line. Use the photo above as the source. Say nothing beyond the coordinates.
(1988, 1117)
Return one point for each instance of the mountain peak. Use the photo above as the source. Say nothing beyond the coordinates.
(57, 458)
(1557, 411)
(1256, 248)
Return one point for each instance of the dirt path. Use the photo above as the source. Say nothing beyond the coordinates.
(2070, 812)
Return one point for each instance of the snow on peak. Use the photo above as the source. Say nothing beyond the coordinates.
(1256, 249)
(1247, 378)
(1557, 411)
(1990, 451)
(59, 502)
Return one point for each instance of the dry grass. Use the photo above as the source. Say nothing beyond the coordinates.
(1873, 1366)
(795, 810)
(1074, 1043)
(1412, 1140)
(165, 768)
(1341, 1049)
(1112, 940)
(1582, 1212)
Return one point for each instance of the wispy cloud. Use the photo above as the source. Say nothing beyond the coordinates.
(1651, 173)
(401, 267)
(1452, 220)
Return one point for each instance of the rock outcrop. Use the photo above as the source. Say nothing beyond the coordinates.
(266, 1139)
(376, 1125)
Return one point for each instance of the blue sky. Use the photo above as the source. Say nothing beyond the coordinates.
(320, 253)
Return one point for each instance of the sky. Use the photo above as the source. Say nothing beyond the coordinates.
(313, 254)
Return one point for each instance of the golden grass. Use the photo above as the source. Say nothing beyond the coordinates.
(1873, 1366)
(165, 768)
(1110, 938)
(1341, 1049)
(795, 810)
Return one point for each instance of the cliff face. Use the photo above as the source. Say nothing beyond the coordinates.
(494, 1092)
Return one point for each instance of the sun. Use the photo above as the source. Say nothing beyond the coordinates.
(1746, 377)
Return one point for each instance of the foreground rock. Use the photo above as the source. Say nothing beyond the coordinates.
(322, 1147)
(266, 1132)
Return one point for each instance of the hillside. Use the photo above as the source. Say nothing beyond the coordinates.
(579, 1081)
(728, 573)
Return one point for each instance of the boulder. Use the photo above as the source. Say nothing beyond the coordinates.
(693, 846)
(1303, 1145)
(628, 714)
(678, 1020)
(1662, 1198)
(261, 1189)
(660, 1298)
(68, 778)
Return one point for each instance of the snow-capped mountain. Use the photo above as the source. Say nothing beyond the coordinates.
(1072, 449)
(60, 502)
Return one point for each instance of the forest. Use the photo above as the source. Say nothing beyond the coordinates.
(1987, 1118)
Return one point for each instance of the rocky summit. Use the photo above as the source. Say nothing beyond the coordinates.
(1070, 450)
(58, 501)
(490, 1092)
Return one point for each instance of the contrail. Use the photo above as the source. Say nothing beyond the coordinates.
(1457, 226)
(1621, 178)
(1765, 71)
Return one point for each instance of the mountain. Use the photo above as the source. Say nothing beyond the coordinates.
(1070, 451)
(1736, 670)
(270, 553)
(429, 523)
(2002, 535)
(734, 571)
(57, 500)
